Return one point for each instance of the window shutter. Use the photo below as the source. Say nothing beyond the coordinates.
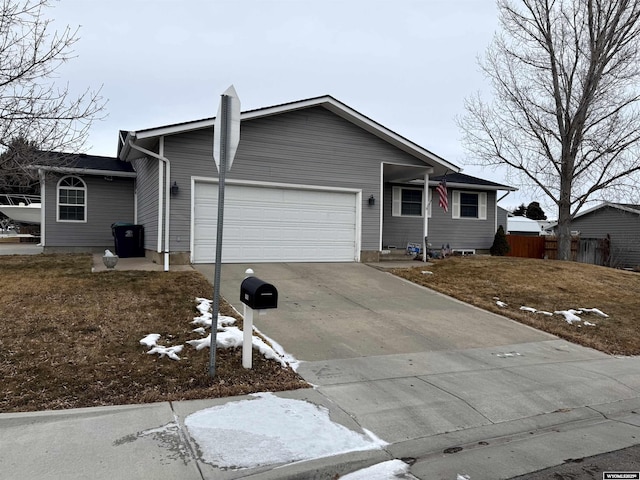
(396, 207)
(455, 198)
(482, 206)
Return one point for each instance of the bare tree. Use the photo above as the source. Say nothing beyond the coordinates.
(33, 108)
(565, 115)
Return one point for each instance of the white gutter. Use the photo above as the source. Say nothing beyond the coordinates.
(87, 171)
(163, 190)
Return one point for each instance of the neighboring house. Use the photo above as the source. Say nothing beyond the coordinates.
(621, 222)
(312, 180)
(523, 226)
(503, 215)
(81, 198)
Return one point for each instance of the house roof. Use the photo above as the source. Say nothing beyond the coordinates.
(147, 137)
(523, 224)
(627, 207)
(461, 180)
(84, 164)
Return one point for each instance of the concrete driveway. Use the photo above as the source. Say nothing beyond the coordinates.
(452, 388)
(330, 311)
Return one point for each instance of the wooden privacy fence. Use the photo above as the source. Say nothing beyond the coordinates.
(526, 247)
(585, 250)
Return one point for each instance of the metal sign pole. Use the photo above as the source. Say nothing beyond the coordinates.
(222, 173)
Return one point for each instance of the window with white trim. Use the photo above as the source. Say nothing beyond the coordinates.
(407, 202)
(469, 205)
(72, 200)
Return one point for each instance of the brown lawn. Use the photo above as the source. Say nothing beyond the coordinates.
(548, 285)
(70, 338)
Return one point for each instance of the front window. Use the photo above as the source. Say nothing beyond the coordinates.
(472, 205)
(407, 202)
(411, 202)
(468, 205)
(72, 200)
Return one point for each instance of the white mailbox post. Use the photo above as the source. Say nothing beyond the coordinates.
(259, 295)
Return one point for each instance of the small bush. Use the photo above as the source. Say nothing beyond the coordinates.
(500, 245)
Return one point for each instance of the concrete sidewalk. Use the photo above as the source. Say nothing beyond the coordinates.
(459, 391)
(499, 414)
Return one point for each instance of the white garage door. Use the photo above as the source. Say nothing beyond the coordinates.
(266, 224)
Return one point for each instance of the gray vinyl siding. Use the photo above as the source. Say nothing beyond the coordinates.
(308, 147)
(107, 202)
(399, 231)
(147, 193)
(459, 233)
(623, 228)
(502, 219)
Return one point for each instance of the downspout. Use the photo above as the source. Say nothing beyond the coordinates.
(425, 235)
(163, 190)
(167, 196)
(160, 203)
(495, 227)
(43, 207)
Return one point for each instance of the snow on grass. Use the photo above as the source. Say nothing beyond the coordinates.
(600, 313)
(171, 352)
(269, 430)
(570, 315)
(150, 340)
(528, 309)
(227, 336)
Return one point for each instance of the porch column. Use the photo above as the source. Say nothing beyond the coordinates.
(425, 195)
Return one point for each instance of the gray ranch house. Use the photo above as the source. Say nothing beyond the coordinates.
(312, 181)
(621, 223)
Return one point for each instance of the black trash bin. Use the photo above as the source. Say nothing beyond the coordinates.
(129, 239)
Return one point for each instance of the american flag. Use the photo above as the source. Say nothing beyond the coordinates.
(442, 193)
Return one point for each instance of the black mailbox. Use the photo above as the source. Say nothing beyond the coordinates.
(257, 294)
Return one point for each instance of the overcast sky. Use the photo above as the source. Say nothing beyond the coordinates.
(408, 64)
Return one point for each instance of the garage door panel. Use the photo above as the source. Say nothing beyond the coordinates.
(274, 224)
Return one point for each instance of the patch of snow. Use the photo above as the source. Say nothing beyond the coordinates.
(569, 316)
(462, 476)
(171, 352)
(598, 312)
(588, 324)
(528, 309)
(229, 336)
(150, 340)
(393, 469)
(268, 430)
(426, 272)
(200, 330)
(293, 362)
(542, 312)
(201, 343)
(501, 304)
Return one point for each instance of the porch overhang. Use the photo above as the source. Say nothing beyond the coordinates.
(394, 173)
